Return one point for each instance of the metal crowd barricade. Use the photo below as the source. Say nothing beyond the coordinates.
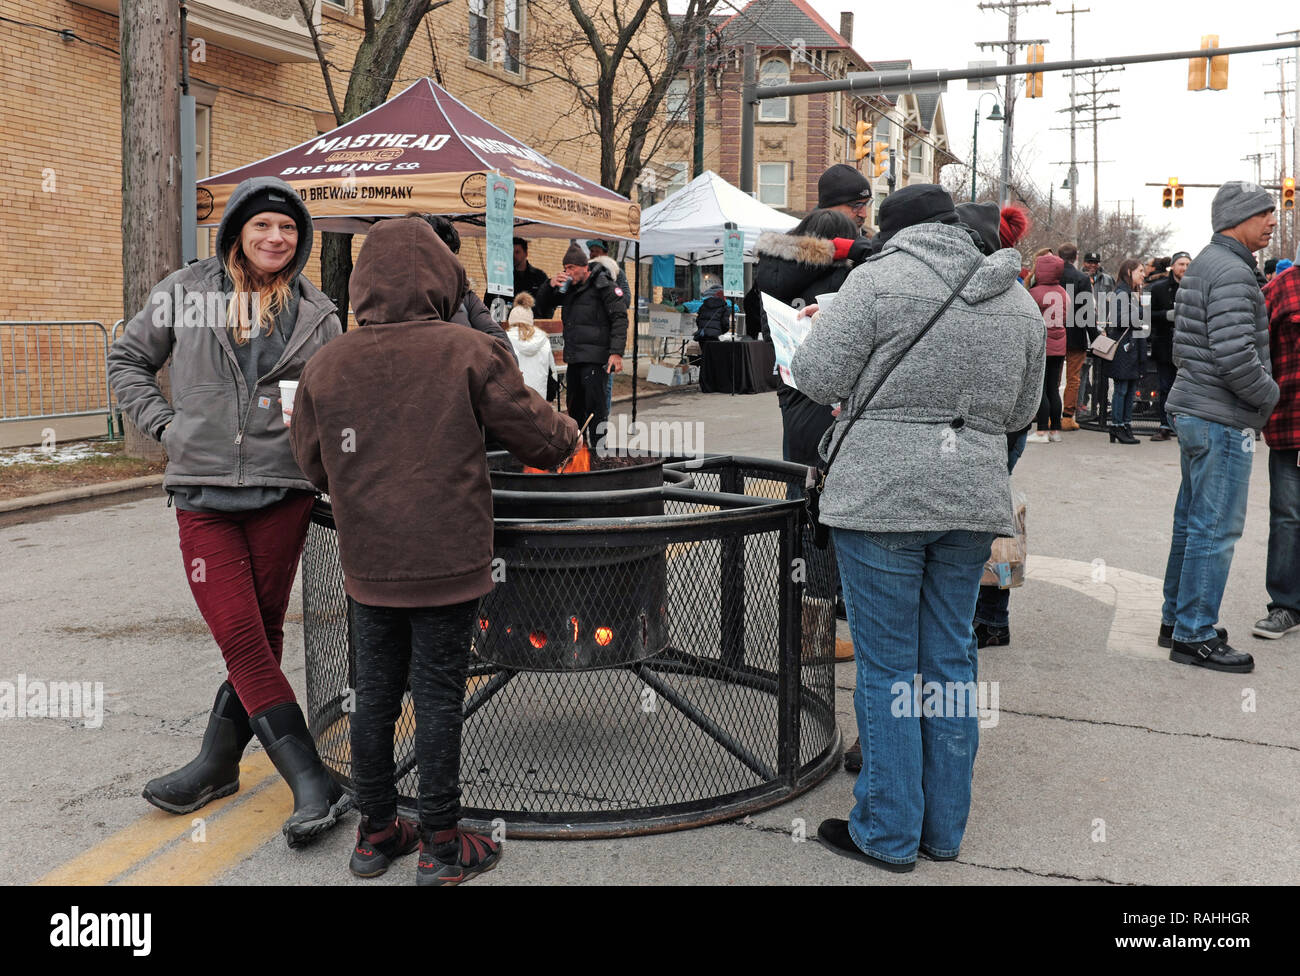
(54, 369)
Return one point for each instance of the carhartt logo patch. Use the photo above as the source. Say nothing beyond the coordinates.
(263, 403)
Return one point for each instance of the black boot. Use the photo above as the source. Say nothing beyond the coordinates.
(214, 773)
(318, 801)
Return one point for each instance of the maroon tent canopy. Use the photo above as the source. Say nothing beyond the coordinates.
(424, 150)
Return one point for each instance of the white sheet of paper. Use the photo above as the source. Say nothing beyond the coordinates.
(788, 333)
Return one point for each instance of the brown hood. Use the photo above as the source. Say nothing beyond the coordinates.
(405, 273)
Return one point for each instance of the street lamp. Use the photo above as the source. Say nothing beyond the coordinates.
(994, 116)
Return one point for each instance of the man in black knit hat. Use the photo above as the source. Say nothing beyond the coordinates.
(594, 311)
(845, 189)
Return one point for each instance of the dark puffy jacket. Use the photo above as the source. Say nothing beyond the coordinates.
(1129, 329)
(1078, 331)
(594, 314)
(796, 270)
(1164, 293)
(714, 316)
(1221, 340)
(218, 433)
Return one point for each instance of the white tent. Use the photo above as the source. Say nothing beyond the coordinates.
(690, 223)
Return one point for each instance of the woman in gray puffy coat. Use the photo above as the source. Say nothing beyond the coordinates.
(234, 325)
(914, 498)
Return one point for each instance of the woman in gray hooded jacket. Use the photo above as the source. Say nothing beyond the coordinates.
(914, 499)
(234, 325)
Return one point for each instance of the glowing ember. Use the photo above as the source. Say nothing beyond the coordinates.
(482, 623)
(581, 461)
(573, 622)
(538, 639)
(603, 636)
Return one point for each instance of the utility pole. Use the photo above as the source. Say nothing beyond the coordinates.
(1285, 244)
(1094, 107)
(149, 34)
(1012, 43)
(1074, 101)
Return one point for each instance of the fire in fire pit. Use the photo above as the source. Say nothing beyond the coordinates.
(558, 610)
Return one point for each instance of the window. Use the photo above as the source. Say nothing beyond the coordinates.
(774, 72)
(772, 178)
(882, 129)
(677, 100)
(480, 21)
(202, 170)
(916, 159)
(514, 33)
(338, 5)
(837, 111)
(677, 177)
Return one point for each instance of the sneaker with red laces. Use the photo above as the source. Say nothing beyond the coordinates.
(377, 849)
(449, 857)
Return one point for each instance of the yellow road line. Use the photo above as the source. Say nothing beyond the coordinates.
(152, 832)
(228, 840)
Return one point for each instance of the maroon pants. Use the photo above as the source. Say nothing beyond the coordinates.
(241, 567)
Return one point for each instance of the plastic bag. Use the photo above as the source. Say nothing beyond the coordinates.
(1005, 567)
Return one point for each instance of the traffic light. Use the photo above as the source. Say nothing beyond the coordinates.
(1034, 80)
(1178, 196)
(1167, 197)
(1218, 69)
(862, 141)
(881, 160)
(1288, 193)
(1196, 67)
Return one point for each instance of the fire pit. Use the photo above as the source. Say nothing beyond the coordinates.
(647, 661)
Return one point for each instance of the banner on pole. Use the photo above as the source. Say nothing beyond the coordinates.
(499, 222)
(733, 263)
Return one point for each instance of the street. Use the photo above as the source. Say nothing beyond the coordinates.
(1105, 764)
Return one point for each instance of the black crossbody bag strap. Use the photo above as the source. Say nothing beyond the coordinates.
(821, 481)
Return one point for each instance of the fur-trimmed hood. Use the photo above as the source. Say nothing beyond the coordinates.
(608, 263)
(797, 269)
(817, 251)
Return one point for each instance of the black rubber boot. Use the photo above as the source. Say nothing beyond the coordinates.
(214, 773)
(318, 801)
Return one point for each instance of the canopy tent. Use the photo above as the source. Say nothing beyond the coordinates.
(690, 223)
(424, 150)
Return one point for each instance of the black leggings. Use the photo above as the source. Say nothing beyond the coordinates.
(431, 646)
(1049, 410)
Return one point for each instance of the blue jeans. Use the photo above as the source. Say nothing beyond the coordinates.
(992, 609)
(1283, 577)
(1121, 403)
(1208, 519)
(910, 596)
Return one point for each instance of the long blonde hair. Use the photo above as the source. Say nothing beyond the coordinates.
(269, 300)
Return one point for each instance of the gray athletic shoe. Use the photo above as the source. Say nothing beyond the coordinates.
(1279, 622)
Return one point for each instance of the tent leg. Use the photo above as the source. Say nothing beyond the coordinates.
(636, 325)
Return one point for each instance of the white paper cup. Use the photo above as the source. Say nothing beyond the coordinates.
(288, 388)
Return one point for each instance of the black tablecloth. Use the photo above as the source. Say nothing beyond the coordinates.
(738, 367)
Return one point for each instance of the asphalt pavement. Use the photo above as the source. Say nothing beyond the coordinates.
(1107, 763)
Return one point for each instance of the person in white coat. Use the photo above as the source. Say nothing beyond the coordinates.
(532, 346)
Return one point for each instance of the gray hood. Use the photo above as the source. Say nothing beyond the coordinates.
(949, 251)
(246, 189)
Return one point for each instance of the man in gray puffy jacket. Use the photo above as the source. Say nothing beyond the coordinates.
(1224, 393)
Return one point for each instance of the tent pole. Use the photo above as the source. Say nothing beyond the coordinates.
(636, 326)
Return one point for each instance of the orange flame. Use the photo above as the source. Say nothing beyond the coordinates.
(581, 461)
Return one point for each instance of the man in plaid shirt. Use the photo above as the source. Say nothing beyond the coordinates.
(1282, 434)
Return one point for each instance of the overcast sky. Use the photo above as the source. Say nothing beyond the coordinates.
(1163, 130)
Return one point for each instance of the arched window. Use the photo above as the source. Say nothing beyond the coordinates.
(774, 72)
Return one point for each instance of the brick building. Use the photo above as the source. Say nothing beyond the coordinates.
(795, 139)
(259, 90)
